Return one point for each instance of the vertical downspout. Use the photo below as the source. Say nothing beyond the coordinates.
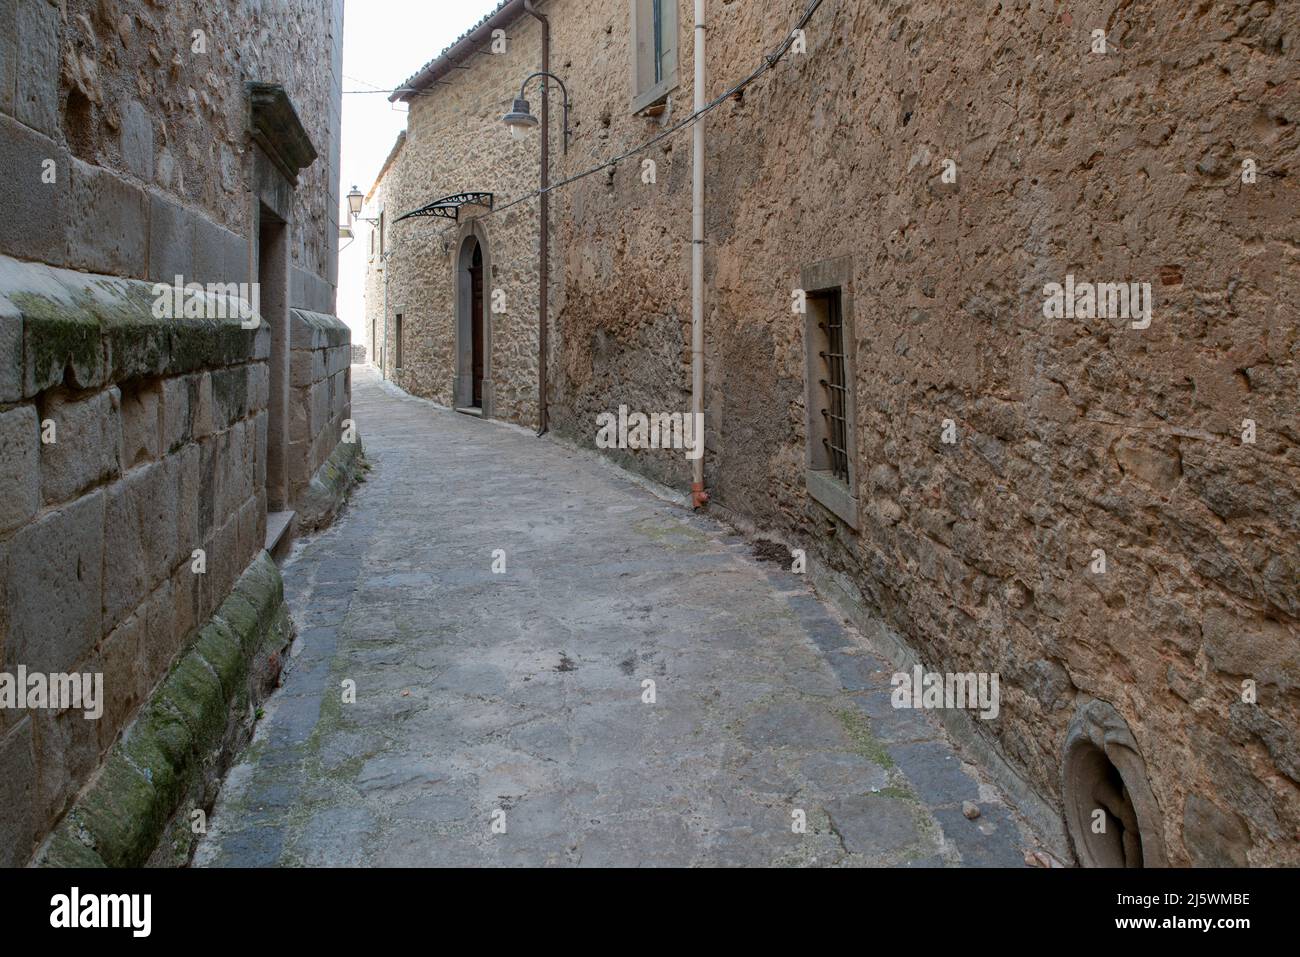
(383, 349)
(699, 497)
(544, 257)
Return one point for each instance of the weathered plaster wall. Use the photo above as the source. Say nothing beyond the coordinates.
(158, 440)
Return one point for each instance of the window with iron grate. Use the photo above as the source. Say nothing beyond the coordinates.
(829, 389)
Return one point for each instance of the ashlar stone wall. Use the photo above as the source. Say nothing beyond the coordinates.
(132, 477)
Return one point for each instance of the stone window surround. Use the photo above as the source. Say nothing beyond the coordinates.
(646, 95)
(837, 496)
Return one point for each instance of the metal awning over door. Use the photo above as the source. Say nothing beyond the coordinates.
(449, 206)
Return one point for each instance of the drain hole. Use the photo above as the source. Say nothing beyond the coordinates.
(1104, 808)
(1111, 814)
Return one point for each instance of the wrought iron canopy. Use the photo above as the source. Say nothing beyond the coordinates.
(449, 206)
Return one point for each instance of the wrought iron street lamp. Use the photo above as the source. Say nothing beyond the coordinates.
(355, 201)
(521, 121)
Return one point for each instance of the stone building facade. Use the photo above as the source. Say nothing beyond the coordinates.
(1102, 508)
(156, 442)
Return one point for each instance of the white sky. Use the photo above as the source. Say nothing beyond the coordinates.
(384, 42)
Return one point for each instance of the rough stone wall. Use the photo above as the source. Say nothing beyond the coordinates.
(158, 430)
(148, 136)
(1073, 435)
(375, 301)
(320, 390)
(457, 143)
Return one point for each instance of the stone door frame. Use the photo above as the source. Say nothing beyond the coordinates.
(463, 388)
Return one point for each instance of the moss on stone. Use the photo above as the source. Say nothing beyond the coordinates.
(151, 758)
(864, 742)
(166, 729)
(56, 335)
(194, 691)
(123, 813)
(260, 586)
(64, 850)
(242, 618)
(223, 651)
(154, 773)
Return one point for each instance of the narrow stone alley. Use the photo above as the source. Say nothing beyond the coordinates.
(518, 698)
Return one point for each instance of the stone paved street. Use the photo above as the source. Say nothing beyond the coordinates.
(522, 692)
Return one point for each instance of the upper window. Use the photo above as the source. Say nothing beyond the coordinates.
(654, 52)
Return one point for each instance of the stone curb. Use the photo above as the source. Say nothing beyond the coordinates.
(329, 486)
(172, 757)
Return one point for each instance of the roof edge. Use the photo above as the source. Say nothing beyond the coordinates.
(450, 58)
(392, 156)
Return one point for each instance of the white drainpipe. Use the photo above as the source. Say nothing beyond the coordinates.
(698, 496)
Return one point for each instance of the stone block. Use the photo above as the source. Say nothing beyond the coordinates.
(17, 795)
(305, 331)
(219, 256)
(140, 524)
(230, 396)
(174, 397)
(167, 625)
(299, 414)
(262, 343)
(135, 139)
(228, 464)
(53, 576)
(87, 443)
(200, 402)
(338, 395)
(187, 597)
(33, 214)
(190, 534)
(107, 235)
(251, 538)
(299, 464)
(171, 240)
(20, 476)
(11, 352)
(320, 406)
(339, 358)
(261, 425)
(8, 70)
(303, 366)
(36, 100)
(61, 336)
(127, 680)
(141, 436)
(259, 386)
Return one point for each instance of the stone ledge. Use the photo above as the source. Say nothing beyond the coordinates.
(329, 487)
(316, 330)
(102, 330)
(170, 761)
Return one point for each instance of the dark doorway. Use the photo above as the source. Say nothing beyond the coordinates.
(472, 274)
(476, 322)
(273, 282)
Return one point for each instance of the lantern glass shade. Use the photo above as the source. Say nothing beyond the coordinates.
(520, 119)
(355, 199)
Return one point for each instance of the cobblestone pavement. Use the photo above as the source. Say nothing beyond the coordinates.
(481, 693)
